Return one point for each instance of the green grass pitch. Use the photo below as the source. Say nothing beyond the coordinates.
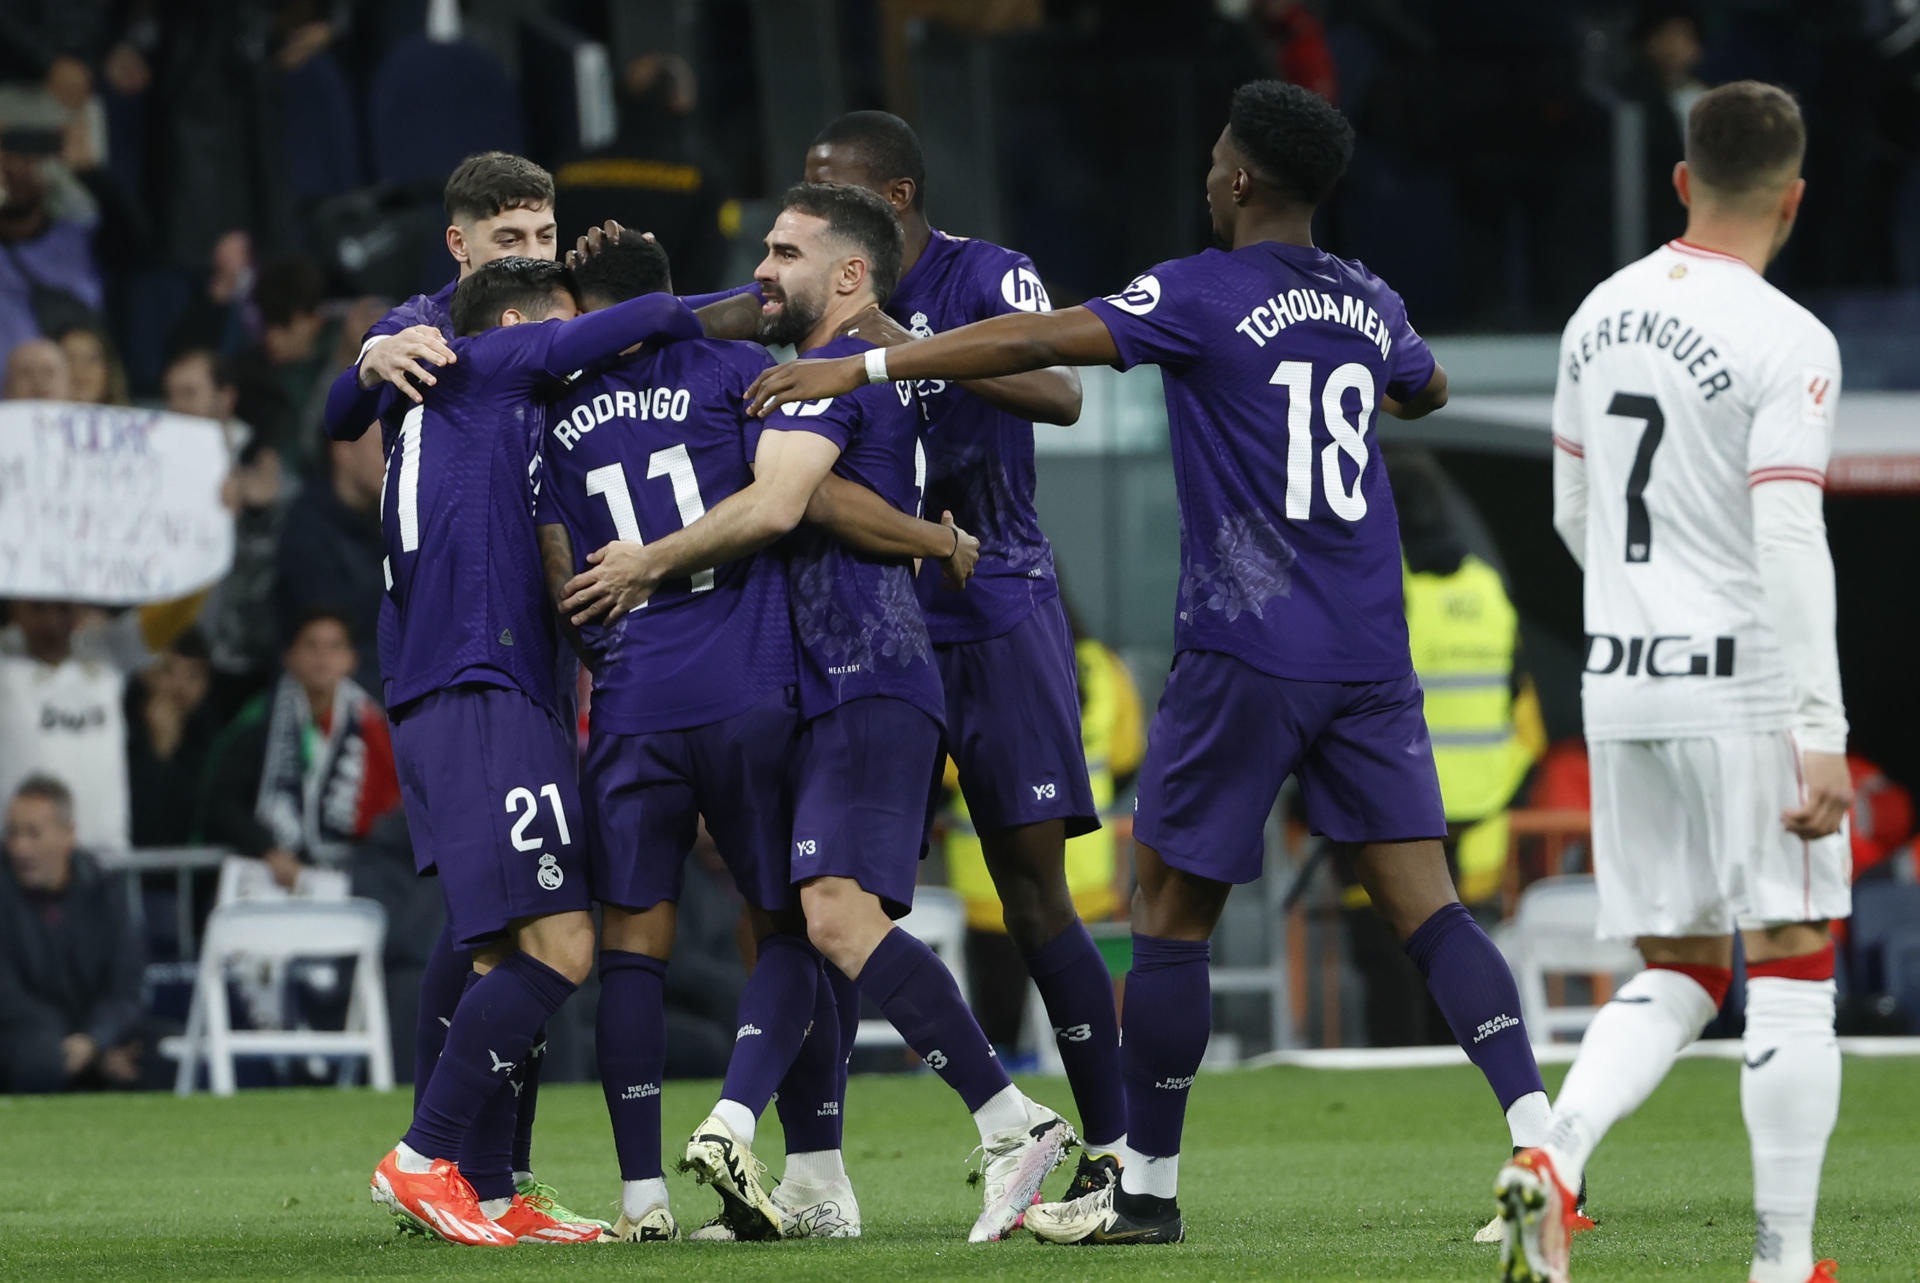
(1288, 1174)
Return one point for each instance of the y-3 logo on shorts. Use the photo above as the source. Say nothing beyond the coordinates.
(1073, 1033)
(1044, 792)
(550, 874)
(802, 850)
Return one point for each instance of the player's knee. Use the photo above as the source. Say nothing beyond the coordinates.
(563, 942)
(649, 931)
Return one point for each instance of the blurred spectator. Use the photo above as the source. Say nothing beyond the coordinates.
(278, 374)
(93, 366)
(1668, 44)
(48, 274)
(653, 176)
(330, 548)
(198, 381)
(71, 962)
(37, 370)
(306, 769)
(62, 696)
(170, 729)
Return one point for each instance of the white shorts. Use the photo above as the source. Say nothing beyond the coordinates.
(1687, 839)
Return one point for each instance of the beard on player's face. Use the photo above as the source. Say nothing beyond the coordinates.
(796, 317)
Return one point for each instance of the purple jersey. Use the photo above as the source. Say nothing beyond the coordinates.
(859, 627)
(635, 452)
(469, 601)
(979, 457)
(1274, 359)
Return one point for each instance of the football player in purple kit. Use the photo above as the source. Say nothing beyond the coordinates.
(486, 761)
(871, 705)
(498, 205)
(1290, 637)
(694, 714)
(1003, 647)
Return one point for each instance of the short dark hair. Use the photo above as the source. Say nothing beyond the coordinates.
(289, 286)
(886, 145)
(491, 181)
(1297, 141)
(526, 285)
(860, 218)
(218, 366)
(1741, 135)
(318, 613)
(624, 269)
(191, 644)
(48, 788)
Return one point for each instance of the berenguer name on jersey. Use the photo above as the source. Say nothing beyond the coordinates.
(1669, 334)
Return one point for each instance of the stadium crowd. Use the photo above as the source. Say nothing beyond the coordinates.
(171, 234)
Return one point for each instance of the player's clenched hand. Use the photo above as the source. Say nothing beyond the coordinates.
(798, 381)
(616, 581)
(958, 568)
(400, 358)
(1829, 794)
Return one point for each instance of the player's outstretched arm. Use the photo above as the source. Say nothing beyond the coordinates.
(596, 336)
(1051, 395)
(787, 469)
(1011, 344)
(865, 522)
(1423, 402)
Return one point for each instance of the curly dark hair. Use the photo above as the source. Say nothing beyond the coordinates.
(861, 219)
(623, 269)
(1297, 141)
(527, 285)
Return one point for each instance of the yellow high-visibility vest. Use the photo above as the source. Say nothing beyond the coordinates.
(1110, 734)
(1463, 632)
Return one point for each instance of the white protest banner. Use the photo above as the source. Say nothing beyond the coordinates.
(110, 505)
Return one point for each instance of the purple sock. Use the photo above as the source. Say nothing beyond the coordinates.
(492, 1032)
(484, 1150)
(773, 1014)
(1475, 990)
(441, 985)
(631, 1040)
(528, 1103)
(809, 1099)
(1078, 994)
(918, 995)
(1169, 1015)
(846, 997)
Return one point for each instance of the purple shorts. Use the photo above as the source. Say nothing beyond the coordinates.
(866, 779)
(490, 783)
(1013, 725)
(1227, 735)
(645, 794)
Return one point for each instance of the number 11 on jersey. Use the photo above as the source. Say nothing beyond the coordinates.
(673, 463)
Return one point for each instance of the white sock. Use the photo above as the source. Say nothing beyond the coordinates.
(1159, 1177)
(1790, 1097)
(818, 1168)
(494, 1208)
(522, 1179)
(1528, 1120)
(1005, 1110)
(738, 1118)
(1117, 1149)
(410, 1160)
(637, 1196)
(1627, 1050)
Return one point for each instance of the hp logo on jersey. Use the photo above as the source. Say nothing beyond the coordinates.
(1021, 288)
(550, 876)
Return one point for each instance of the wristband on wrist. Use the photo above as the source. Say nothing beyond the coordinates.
(956, 544)
(877, 365)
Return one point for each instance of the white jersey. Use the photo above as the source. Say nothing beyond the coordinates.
(1686, 380)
